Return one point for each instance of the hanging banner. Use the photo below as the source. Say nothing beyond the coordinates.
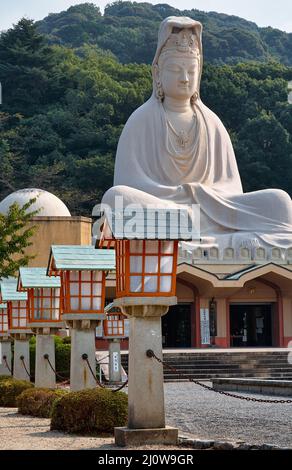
(205, 326)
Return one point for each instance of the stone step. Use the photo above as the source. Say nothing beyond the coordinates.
(205, 366)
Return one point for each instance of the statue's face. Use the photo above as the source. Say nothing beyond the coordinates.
(179, 76)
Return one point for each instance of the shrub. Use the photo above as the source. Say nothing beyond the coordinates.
(67, 340)
(91, 411)
(10, 389)
(62, 351)
(38, 401)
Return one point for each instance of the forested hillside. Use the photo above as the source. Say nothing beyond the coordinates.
(64, 108)
(129, 30)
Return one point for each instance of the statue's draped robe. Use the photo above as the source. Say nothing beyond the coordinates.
(146, 172)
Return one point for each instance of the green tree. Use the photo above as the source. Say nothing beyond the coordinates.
(15, 237)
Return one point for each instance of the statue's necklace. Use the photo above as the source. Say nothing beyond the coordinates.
(182, 137)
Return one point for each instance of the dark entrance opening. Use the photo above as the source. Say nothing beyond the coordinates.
(250, 325)
(176, 327)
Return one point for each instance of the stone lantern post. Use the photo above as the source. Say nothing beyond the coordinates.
(114, 331)
(145, 288)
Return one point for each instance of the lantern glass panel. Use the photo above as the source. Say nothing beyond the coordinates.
(150, 284)
(136, 246)
(166, 264)
(165, 283)
(136, 264)
(3, 320)
(18, 314)
(167, 247)
(151, 246)
(151, 264)
(85, 291)
(136, 283)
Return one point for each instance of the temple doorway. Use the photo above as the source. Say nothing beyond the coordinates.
(176, 327)
(250, 325)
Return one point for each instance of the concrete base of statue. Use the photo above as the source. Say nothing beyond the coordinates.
(115, 367)
(6, 356)
(83, 333)
(44, 375)
(126, 437)
(21, 359)
(146, 417)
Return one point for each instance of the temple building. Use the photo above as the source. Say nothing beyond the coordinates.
(241, 301)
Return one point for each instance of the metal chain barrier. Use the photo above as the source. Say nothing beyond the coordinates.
(25, 368)
(151, 354)
(65, 380)
(85, 358)
(121, 387)
(6, 364)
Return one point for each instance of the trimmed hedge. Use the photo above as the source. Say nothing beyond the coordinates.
(91, 411)
(38, 401)
(10, 389)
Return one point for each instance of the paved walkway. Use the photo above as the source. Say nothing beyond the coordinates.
(196, 412)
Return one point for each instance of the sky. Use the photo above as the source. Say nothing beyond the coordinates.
(277, 14)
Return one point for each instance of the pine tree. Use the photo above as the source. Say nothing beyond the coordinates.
(15, 237)
(25, 61)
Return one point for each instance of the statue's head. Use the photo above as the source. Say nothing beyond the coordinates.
(177, 63)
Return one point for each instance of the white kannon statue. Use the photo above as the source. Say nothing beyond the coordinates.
(174, 150)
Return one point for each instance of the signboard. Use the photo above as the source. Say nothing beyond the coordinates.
(116, 367)
(205, 325)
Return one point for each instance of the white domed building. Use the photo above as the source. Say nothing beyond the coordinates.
(55, 225)
(46, 203)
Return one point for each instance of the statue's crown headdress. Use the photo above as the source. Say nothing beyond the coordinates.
(182, 40)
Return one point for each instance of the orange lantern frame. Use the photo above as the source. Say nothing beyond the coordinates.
(114, 324)
(17, 306)
(44, 296)
(83, 272)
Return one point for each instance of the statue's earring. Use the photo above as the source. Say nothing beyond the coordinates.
(159, 91)
(194, 97)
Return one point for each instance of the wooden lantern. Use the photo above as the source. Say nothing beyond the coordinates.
(44, 305)
(17, 306)
(83, 271)
(114, 324)
(146, 268)
(146, 261)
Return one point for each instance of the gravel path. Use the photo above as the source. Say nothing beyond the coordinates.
(208, 415)
(196, 412)
(19, 432)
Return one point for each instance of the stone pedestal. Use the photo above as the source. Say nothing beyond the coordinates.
(5, 351)
(21, 351)
(44, 375)
(82, 343)
(45, 346)
(115, 367)
(146, 418)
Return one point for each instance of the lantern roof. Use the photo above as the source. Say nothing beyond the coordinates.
(80, 257)
(35, 278)
(9, 291)
(163, 223)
